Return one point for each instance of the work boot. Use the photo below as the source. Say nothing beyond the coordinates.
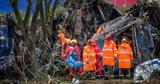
(106, 78)
(93, 78)
(111, 76)
(70, 77)
(81, 74)
(115, 76)
(129, 74)
(98, 77)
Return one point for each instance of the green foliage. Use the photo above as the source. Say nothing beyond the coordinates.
(123, 10)
(60, 10)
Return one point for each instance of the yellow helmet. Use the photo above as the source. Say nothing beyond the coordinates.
(68, 40)
(74, 41)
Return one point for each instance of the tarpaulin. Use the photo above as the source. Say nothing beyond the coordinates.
(72, 61)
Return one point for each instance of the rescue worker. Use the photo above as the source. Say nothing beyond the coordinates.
(98, 30)
(109, 55)
(125, 58)
(62, 39)
(89, 57)
(98, 56)
(65, 47)
(73, 47)
(98, 37)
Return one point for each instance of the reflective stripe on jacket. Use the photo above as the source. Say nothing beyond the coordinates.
(89, 58)
(109, 53)
(124, 55)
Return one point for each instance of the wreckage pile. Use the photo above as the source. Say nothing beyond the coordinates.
(137, 24)
(140, 24)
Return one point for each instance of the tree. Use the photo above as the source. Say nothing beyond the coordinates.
(36, 31)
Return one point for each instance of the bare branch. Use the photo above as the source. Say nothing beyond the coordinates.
(14, 4)
(27, 16)
(47, 8)
(53, 10)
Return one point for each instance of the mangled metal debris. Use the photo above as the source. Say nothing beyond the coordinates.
(145, 71)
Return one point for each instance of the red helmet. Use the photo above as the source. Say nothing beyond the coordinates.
(107, 37)
(91, 41)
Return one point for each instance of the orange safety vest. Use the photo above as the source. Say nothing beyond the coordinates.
(89, 58)
(124, 55)
(108, 53)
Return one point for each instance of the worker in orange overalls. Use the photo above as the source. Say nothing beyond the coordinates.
(62, 39)
(89, 57)
(125, 58)
(109, 55)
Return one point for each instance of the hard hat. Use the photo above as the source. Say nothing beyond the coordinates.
(68, 40)
(124, 40)
(91, 41)
(107, 37)
(74, 41)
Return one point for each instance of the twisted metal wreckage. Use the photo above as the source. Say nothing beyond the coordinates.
(139, 24)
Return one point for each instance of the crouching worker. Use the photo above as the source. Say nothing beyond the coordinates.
(89, 58)
(109, 55)
(73, 58)
(125, 58)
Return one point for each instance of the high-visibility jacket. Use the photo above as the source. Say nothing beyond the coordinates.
(89, 58)
(62, 40)
(124, 55)
(109, 53)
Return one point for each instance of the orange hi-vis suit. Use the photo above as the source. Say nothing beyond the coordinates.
(109, 53)
(89, 58)
(125, 56)
(62, 39)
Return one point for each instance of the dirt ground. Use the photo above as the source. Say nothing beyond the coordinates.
(106, 82)
(124, 81)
